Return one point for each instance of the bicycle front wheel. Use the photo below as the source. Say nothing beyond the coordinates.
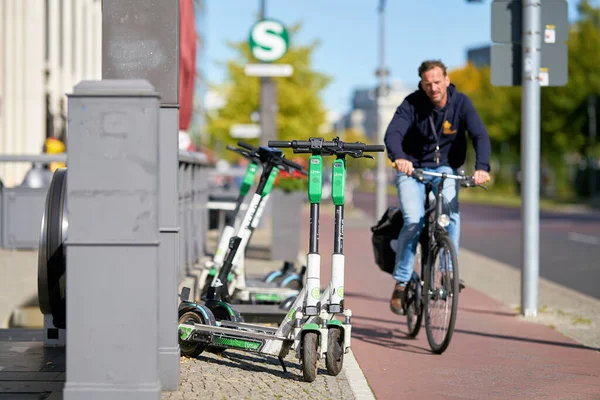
(414, 296)
(441, 294)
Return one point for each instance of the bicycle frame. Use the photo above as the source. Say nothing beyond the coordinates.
(434, 226)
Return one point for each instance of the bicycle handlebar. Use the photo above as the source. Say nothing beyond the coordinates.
(465, 181)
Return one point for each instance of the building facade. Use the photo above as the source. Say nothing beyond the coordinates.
(363, 113)
(49, 46)
(479, 56)
(46, 47)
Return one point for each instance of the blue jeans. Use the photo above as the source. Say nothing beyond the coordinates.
(411, 195)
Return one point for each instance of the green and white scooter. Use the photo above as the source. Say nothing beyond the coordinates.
(324, 336)
(308, 325)
(233, 219)
(240, 287)
(272, 161)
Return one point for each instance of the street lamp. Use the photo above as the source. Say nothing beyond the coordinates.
(381, 73)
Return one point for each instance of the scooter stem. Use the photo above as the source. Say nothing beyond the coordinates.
(313, 269)
(336, 289)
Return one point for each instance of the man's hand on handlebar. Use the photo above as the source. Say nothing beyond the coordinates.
(404, 166)
(480, 177)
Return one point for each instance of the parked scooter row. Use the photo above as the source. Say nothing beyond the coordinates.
(317, 326)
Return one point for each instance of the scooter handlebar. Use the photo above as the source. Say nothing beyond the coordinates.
(279, 144)
(295, 166)
(243, 153)
(374, 147)
(246, 146)
(305, 146)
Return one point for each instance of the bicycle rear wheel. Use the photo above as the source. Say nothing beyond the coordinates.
(441, 295)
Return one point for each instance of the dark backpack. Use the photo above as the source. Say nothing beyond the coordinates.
(387, 229)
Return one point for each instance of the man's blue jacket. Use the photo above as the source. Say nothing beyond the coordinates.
(410, 134)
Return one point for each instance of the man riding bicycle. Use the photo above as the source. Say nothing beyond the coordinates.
(428, 132)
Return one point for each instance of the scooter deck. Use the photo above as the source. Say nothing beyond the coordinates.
(239, 336)
(261, 313)
(246, 326)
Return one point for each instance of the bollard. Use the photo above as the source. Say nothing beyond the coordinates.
(112, 246)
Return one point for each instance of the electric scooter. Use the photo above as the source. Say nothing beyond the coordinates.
(219, 296)
(306, 326)
(240, 287)
(331, 339)
(231, 221)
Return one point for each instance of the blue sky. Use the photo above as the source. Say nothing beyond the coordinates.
(349, 34)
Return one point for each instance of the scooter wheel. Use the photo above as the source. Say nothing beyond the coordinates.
(287, 303)
(310, 342)
(334, 358)
(191, 349)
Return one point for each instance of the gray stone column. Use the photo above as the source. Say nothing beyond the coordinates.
(112, 246)
(140, 40)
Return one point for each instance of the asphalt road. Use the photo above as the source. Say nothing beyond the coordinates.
(569, 242)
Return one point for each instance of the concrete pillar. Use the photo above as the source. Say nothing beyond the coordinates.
(140, 40)
(112, 246)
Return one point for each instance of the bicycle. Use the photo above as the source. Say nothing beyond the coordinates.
(436, 242)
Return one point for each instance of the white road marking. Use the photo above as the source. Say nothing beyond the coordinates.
(581, 238)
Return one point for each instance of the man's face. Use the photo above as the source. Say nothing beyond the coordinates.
(435, 84)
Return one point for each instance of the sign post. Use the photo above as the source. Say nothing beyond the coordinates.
(530, 51)
(268, 41)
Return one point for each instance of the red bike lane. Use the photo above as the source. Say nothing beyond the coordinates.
(493, 353)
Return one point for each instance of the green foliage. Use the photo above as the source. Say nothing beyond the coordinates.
(290, 184)
(300, 109)
(564, 113)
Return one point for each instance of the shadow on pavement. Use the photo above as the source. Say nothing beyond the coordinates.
(350, 295)
(401, 320)
(530, 340)
(490, 312)
(392, 339)
(384, 336)
(258, 363)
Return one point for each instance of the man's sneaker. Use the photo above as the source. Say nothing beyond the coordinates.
(397, 301)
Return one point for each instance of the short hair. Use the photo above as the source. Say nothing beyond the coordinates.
(431, 64)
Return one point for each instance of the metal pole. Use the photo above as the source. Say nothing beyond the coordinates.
(530, 156)
(591, 152)
(381, 200)
(268, 100)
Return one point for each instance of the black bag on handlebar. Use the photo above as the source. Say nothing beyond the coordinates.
(387, 229)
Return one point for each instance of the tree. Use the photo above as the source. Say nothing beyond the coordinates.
(563, 113)
(499, 109)
(300, 108)
(564, 119)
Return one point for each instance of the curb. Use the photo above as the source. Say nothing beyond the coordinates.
(356, 378)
